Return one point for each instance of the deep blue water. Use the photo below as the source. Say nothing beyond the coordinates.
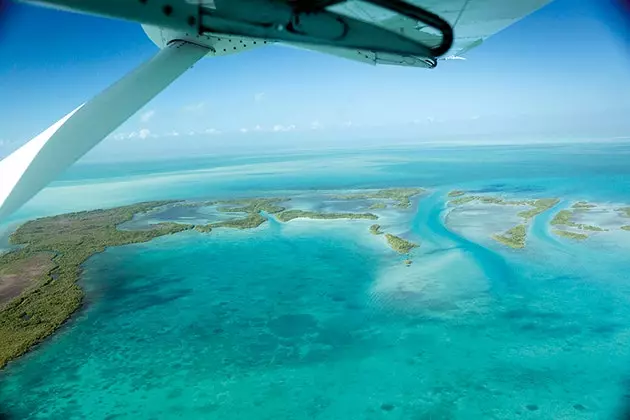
(318, 323)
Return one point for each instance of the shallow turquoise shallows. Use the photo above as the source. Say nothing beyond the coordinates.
(286, 322)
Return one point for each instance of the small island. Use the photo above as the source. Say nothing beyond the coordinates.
(516, 236)
(288, 215)
(583, 205)
(540, 205)
(485, 199)
(456, 193)
(399, 244)
(567, 222)
(251, 221)
(462, 200)
(563, 218)
(571, 235)
(251, 205)
(402, 196)
(376, 230)
(378, 206)
(625, 211)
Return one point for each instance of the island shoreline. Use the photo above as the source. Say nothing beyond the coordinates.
(55, 296)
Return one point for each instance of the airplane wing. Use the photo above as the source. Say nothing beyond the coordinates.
(27, 170)
(473, 22)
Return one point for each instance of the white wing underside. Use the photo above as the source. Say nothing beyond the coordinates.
(473, 22)
(34, 165)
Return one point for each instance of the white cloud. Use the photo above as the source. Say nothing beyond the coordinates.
(145, 117)
(280, 127)
(2, 142)
(258, 128)
(259, 96)
(144, 133)
(141, 134)
(316, 125)
(347, 123)
(244, 130)
(172, 134)
(211, 131)
(198, 107)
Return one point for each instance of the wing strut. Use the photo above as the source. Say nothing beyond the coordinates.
(30, 168)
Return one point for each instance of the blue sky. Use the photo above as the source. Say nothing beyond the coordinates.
(563, 68)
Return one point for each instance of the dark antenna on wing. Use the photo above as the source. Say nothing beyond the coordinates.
(400, 7)
(313, 22)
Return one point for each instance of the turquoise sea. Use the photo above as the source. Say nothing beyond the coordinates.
(313, 321)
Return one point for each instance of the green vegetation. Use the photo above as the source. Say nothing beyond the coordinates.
(583, 205)
(253, 220)
(462, 200)
(378, 206)
(540, 206)
(626, 227)
(514, 238)
(563, 218)
(498, 200)
(288, 215)
(486, 199)
(376, 230)
(456, 193)
(54, 295)
(252, 205)
(195, 203)
(204, 228)
(625, 211)
(401, 195)
(592, 228)
(571, 235)
(399, 244)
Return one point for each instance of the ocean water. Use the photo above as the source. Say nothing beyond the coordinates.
(317, 320)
